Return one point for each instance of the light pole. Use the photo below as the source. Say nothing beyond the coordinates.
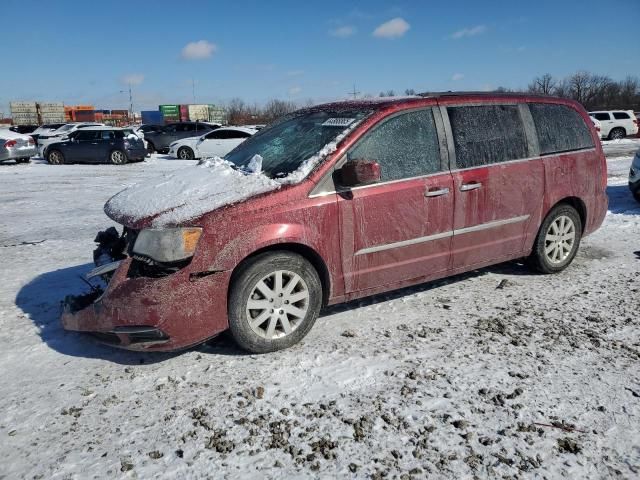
(130, 102)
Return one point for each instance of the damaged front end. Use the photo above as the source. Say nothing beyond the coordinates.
(111, 251)
(146, 294)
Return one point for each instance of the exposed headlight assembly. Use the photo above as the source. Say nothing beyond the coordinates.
(167, 245)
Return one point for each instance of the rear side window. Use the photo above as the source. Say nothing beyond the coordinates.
(108, 135)
(86, 135)
(621, 116)
(560, 128)
(601, 116)
(405, 146)
(487, 134)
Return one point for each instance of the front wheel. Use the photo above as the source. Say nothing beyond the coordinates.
(55, 157)
(558, 240)
(151, 149)
(275, 299)
(185, 153)
(118, 157)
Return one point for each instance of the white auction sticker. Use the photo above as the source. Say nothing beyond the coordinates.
(338, 122)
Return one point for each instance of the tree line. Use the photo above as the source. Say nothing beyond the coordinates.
(594, 92)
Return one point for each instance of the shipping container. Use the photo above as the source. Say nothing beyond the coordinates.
(171, 110)
(50, 107)
(184, 113)
(52, 118)
(23, 107)
(152, 117)
(24, 119)
(217, 115)
(85, 116)
(90, 108)
(198, 113)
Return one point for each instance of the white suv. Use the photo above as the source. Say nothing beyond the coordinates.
(616, 124)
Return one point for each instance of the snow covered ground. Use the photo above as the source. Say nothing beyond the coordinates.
(498, 373)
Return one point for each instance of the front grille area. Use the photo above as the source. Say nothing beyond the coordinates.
(107, 337)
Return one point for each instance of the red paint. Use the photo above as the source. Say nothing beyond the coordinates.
(336, 228)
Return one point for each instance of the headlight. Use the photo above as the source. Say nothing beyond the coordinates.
(167, 245)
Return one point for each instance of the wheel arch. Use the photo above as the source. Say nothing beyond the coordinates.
(576, 203)
(311, 255)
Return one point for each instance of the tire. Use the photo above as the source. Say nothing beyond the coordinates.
(118, 157)
(55, 157)
(552, 255)
(23, 160)
(617, 133)
(296, 311)
(151, 148)
(636, 195)
(185, 153)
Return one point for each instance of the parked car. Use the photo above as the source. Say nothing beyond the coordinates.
(159, 140)
(616, 124)
(45, 129)
(16, 146)
(216, 143)
(62, 134)
(634, 176)
(23, 129)
(341, 201)
(97, 145)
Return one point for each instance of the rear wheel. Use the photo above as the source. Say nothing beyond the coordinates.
(274, 301)
(185, 153)
(150, 148)
(118, 157)
(23, 160)
(617, 133)
(558, 240)
(636, 195)
(55, 157)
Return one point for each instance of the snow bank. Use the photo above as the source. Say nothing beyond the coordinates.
(187, 193)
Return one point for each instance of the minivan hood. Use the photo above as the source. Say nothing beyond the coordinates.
(186, 194)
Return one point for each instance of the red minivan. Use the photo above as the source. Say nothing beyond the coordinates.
(341, 201)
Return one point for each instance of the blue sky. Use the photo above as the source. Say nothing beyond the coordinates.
(86, 51)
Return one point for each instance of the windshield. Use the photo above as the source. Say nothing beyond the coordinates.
(285, 145)
(66, 127)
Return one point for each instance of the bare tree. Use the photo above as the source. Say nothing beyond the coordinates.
(409, 91)
(544, 85)
(390, 93)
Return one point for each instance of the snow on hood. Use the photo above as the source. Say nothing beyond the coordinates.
(187, 193)
(212, 184)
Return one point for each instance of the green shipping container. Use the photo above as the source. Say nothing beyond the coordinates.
(170, 110)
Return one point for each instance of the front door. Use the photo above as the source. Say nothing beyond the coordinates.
(400, 228)
(498, 188)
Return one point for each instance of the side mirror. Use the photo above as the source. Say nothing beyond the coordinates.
(360, 172)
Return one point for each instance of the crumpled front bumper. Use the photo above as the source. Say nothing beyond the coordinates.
(153, 314)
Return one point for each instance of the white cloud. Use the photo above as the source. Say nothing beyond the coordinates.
(394, 28)
(294, 91)
(133, 79)
(457, 76)
(469, 32)
(343, 32)
(198, 50)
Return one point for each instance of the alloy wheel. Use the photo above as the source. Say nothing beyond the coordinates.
(117, 157)
(560, 239)
(55, 158)
(278, 304)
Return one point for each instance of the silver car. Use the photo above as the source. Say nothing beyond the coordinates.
(15, 146)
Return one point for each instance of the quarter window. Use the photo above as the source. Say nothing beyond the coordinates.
(405, 146)
(560, 128)
(601, 116)
(487, 134)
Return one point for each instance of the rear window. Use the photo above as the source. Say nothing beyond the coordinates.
(560, 128)
(621, 116)
(487, 134)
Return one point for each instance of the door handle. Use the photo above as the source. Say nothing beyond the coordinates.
(465, 187)
(436, 192)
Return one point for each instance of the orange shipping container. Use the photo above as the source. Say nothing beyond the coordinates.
(84, 107)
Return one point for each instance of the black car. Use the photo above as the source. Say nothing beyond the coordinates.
(97, 145)
(159, 140)
(23, 129)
